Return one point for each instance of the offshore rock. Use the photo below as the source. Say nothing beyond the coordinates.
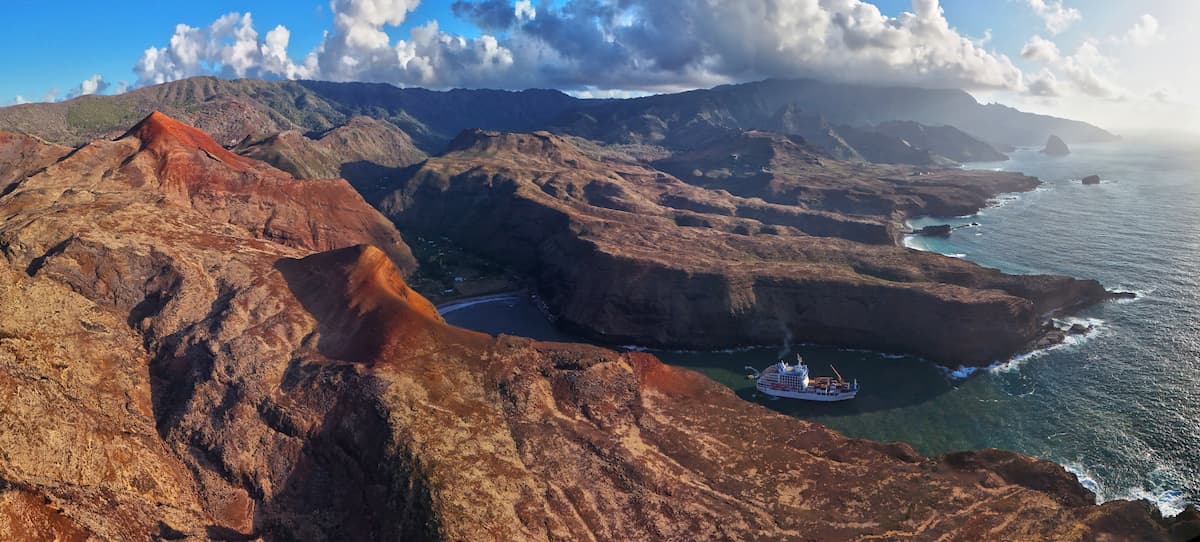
(1055, 146)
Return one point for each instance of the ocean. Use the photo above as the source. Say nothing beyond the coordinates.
(1119, 407)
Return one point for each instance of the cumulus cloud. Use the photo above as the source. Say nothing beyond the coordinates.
(525, 11)
(1056, 17)
(1041, 50)
(358, 49)
(1143, 32)
(92, 85)
(488, 15)
(597, 45)
(1082, 70)
(50, 95)
(18, 100)
(663, 44)
(1045, 83)
(230, 46)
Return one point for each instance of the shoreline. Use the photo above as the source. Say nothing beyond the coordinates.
(464, 302)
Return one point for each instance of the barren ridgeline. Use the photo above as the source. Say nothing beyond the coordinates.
(193, 343)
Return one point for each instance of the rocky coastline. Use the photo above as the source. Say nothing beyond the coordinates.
(176, 365)
(624, 253)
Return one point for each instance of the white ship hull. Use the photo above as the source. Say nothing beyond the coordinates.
(793, 382)
(809, 394)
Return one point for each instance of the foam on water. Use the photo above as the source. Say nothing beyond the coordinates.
(1169, 501)
(1014, 363)
(1095, 326)
(1140, 294)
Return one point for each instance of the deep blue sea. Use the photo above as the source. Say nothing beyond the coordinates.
(1120, 407)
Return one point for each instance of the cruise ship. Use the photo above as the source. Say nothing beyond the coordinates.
(793, 382)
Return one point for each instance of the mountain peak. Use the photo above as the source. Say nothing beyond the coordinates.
(161, 133)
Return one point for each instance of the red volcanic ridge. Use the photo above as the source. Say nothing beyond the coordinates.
(195, 171)
(161, 134)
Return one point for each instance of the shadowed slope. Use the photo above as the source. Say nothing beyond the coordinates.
(364, 306)
(166, 373)
(765, 239)
(364, 151)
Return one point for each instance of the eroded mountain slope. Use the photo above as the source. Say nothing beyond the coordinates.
(169, 372)
(629, 254)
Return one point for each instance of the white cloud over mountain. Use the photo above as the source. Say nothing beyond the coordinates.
(601, 44)
(1082, 70)
(635, 47)
(92, 85)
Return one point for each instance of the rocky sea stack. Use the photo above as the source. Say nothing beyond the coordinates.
(1091, 179)
(1055, 146)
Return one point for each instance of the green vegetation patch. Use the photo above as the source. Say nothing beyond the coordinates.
(97, 114)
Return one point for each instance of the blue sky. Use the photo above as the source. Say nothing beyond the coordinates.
(1090, 63)
(48, 45)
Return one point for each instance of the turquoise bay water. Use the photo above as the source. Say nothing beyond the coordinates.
(1120, 407)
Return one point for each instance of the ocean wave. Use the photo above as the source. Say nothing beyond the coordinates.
(1139, 293)
(959, 255)
(961, 373)
(1169, 501)
(1014, 363)
(1095, 325)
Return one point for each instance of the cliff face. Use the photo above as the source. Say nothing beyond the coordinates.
(167, 372)
(785, 170)
(363, 151)
(629, 254)
(947, 141)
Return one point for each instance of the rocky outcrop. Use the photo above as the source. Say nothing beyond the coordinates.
(1091, 179)
(1055, 146)
(169, 373)
(937, 230)
(620, 259)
